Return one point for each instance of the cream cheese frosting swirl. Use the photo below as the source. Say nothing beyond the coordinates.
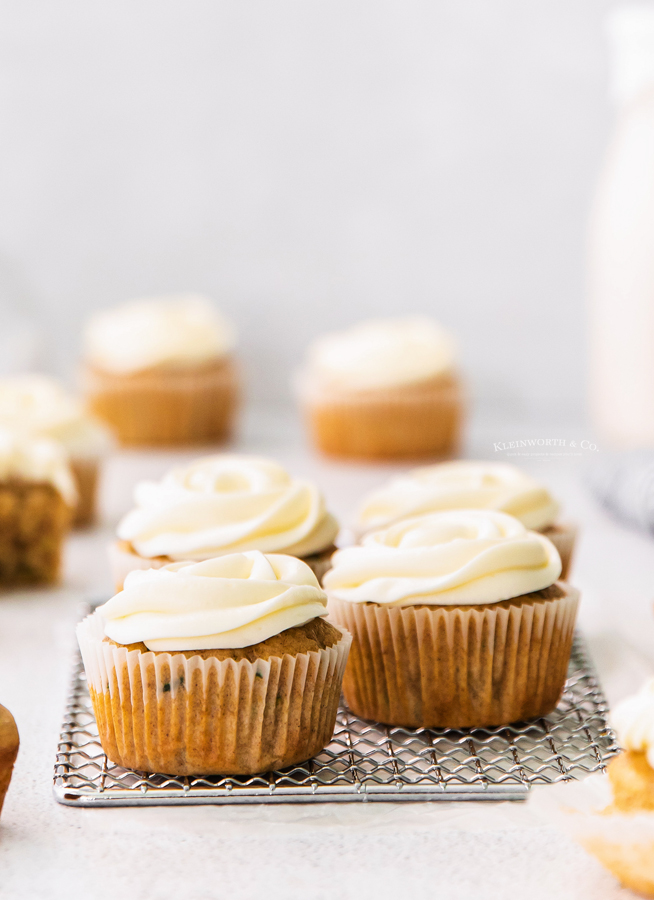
(224, 603)
(178, 330)
(459, 557)
(39, 406)
(633, 720)
(381, 353)
(38, 460)
(463, 484)
(224, 504)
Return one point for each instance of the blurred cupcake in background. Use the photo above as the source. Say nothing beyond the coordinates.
(384, 389)
(37, 502)
(467, 484)
(40, 407)
(160, 371)
(224, 504)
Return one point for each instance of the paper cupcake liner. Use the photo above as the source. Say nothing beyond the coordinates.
(563, 536)
(123, 560)
(166, 407)
(403, 423)
(457, 667)
(85, 472)
(162, 712)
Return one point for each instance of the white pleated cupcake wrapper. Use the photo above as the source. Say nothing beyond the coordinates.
(122, 562)
(162, 712)
(452, 667)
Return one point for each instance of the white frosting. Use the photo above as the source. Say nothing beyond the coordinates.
(633, 720)
(381, 353)
(39, 406)
(167, 331)
(38, 460)
(459, 485)
(225, 603)
(459, 557)
(224, 504)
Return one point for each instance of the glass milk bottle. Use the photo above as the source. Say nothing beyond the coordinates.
(621, 245)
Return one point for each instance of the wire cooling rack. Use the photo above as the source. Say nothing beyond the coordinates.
(365, 760)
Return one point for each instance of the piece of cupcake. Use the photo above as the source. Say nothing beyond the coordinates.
(467, 484)
(458, 621)
(161, 371)
(37, 500)
(225, 666)
(224, 504)
(384, 389)
(39, 406)
(621, 836)
(9, 742)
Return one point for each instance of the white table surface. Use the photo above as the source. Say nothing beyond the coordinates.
(439, 849)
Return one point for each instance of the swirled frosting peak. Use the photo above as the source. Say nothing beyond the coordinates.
(382, 353)
(179, 330)
(224, 504)
(39, 406)
(458, 557)
(463, 484)
(634, 721)
(224, 603)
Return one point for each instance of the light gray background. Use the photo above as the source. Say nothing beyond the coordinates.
(308, 164)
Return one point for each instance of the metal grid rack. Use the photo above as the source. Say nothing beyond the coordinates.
(365, 761)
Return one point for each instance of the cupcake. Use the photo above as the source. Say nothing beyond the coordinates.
(37, 499)
(465, 484)
(225, 666)
(160, 371)
(621, 836)
(40, 407)
(385, 389)
(457, 620)
(224, 504)
(8, 751)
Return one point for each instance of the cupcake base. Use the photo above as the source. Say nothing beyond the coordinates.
(563, 537)
(632, 780)
(166, 407)
(8, 750)
(123, 559)
(413, 422)
(458, 666)
(85, 473)
(189, 715)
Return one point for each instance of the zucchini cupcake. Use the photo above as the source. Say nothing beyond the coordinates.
(457, 619)
(385, 389)
(160, 371)
(40, 407)
(225, 666)
(37, 500)
(621, 835)
(466, 484)
(224, 504)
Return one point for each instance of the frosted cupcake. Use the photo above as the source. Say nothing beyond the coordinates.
(37, 499)
(465, 484)
(161, 372)
(384, 389)
(226, 666)
(621, 836)
(457, 620)
(40, 407)
(224, 504)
